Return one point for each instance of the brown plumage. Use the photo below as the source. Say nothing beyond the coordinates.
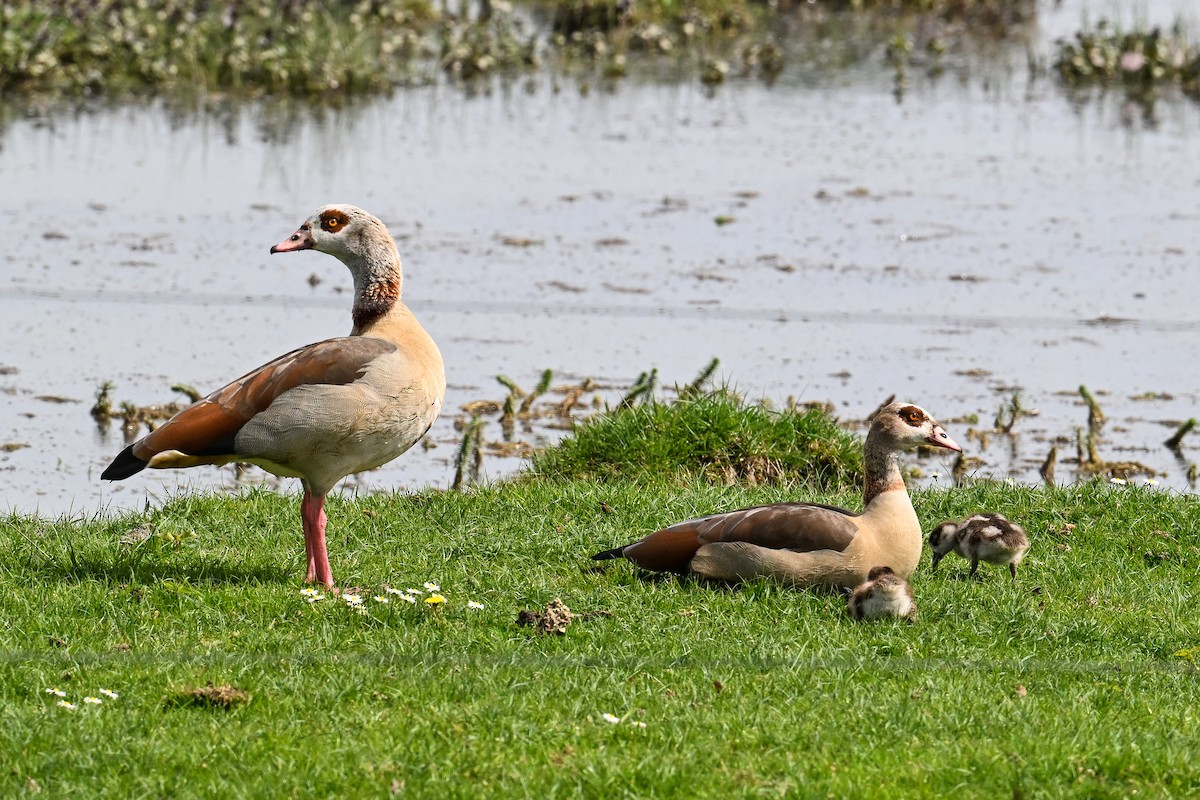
(883, 594)
(808, 544)
(983, 537)
(325, 411)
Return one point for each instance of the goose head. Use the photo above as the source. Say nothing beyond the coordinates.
(343, 231)
(903, 426)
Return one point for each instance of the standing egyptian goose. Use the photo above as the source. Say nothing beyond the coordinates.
(983, 537)
(809, 544)
(883, 594)
(327, 410)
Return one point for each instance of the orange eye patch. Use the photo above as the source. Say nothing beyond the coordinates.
(333, 221)
(912, 415)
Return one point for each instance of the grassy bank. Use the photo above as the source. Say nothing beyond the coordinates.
(1078, 681)
(346, 48)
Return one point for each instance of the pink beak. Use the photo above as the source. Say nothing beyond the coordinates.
(939, 438)
(300, 240)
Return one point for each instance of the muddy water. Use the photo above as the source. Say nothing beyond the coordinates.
(986, 235)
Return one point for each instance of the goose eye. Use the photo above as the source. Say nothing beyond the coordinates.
(333, 221)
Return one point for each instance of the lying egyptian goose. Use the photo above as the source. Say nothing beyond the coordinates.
(984, 537)
(327, 410)
(883, 594)
(809, 544)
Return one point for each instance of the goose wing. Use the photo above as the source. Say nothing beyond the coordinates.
(800, 527)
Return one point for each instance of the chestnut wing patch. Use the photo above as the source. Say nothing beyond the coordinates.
(208, 428)
(783, 526)
(802, 527)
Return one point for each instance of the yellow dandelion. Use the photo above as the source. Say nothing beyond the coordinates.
(435, 599)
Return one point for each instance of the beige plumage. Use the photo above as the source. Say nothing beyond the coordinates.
(809, 544)
(325, 411)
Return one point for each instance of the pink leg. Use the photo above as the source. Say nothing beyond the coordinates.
(312, 515)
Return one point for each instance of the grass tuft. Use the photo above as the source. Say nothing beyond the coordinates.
(717, 436)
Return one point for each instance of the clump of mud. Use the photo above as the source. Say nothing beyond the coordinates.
(555, 619)
(223, 697)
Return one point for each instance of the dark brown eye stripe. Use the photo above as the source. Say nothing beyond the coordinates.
(912, 415)
(333, 221)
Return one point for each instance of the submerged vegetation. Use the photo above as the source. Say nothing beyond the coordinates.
(1138, 61)
(351, 47)
(346, 48)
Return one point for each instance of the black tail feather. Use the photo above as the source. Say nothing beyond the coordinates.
(123, 466)
(616, 552)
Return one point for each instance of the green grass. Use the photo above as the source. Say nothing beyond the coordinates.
(1078, 681)
(713, 434)
(455, 702)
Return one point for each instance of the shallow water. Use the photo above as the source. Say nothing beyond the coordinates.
(983, 235)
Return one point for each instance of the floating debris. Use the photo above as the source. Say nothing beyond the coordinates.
(1095, 415)
(1010, 412)
(1046, 470)
(1176, 440)
(469, 461)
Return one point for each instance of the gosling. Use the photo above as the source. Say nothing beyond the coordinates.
(984, 537)
(884, 594)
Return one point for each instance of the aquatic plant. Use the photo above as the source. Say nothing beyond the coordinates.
(343, 48)
(1139, 61)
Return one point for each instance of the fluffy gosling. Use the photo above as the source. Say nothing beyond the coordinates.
(884, 594)
(984, 537)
